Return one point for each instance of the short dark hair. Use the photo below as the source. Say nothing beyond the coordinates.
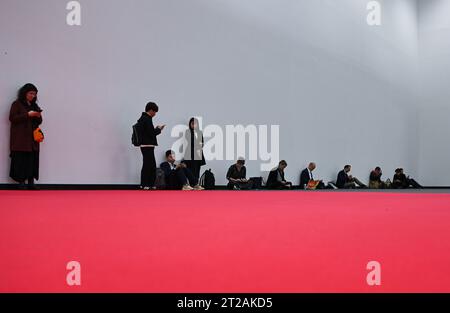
(151, 106)
(283, 162)
(347, 166)
(169, 152)
(377, 168)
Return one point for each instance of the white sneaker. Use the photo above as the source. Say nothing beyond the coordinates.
(333, 185)
(198, 187)
(187, 187)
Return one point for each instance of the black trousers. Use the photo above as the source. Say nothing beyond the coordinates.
(279, 186)
(414, 183)
(181, 177)
(24, 166)
(148, 172)
(194, 166)
(243, 186)
(406, 184)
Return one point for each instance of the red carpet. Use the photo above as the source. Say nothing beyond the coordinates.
(134, 241)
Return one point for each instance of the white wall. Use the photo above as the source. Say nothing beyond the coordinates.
(341, 91)
(434, 127)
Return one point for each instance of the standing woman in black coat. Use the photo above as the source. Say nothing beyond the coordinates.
(25, 117)
(193, 156)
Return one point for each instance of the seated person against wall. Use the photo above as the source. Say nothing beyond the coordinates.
(346, 181)
(400, 180)
(178, 176)
(236, 176)
(307, 179)
(276, 178)
(375, 181)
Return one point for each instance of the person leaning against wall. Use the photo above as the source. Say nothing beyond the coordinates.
(193, 156)
(25, 117)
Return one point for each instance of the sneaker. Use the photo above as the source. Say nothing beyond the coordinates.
(332, 186)
(187, 187)
(146, 188)
(198, 187)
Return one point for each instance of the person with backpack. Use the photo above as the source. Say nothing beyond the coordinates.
(144, 136)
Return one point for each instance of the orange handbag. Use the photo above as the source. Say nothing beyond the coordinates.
(38, 135)
(312, 184)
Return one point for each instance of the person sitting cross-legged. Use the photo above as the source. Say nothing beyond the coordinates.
(236, 176)
(307, 180)
(276, 178)
(177, 175)
(375, 181)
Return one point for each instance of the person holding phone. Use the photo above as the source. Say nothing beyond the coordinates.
(149, 142)
(25, 117)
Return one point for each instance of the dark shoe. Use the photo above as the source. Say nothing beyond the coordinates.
(22, 186)
(33, 187)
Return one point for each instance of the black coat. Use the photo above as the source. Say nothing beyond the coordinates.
(272, 180)
(235, 174)
(149, 132)
(165, 166)
(304, 178)
(342, 179)
(22, 127)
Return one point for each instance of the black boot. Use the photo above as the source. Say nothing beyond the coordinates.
(31, 185)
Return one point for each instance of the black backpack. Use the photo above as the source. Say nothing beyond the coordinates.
(207, 180)
(160, 181)
(257, 182)
(136, 137)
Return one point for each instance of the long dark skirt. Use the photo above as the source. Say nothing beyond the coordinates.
(24, 166)
(194, 166)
